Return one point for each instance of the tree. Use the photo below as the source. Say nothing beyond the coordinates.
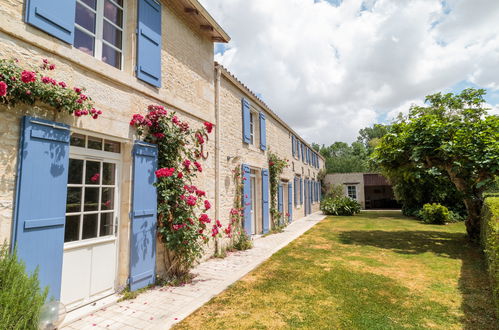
(453, 134)
(371, 136)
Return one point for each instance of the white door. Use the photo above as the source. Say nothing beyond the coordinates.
(90, 239)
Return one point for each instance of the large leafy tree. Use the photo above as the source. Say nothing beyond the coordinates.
(453, 134)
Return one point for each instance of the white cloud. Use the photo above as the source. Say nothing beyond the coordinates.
(331, 70)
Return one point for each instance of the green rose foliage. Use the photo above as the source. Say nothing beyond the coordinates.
(183, 224)
(276, 168)
(28, 86)
(454, 135)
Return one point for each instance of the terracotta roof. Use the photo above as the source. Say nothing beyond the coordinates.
(262, 104)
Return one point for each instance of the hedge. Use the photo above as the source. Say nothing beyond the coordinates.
(490, 242)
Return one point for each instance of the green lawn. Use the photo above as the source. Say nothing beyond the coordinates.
(377, 270)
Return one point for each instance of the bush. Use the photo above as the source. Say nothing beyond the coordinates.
(344, 206)
(20, 295)
(436, 214)
(490, 242)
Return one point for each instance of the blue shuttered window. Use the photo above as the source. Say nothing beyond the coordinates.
(149, 42)
(290, 201)
(40, 206)
(293, 142)
(263, 132)
(296, 191)
(246, 198)
(55, 17)
(143, 216)
(246, 121)
(298, 148)
(301, 191)
(265, 201)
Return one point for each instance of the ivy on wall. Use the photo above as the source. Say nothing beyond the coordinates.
(276, 168)
(28, 86)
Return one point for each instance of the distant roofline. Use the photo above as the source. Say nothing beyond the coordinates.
(262, 104)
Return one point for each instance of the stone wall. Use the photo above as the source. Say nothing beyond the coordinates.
(187, 87)
(347, 179)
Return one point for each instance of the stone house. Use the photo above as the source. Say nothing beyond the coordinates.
(371, 190)
(249, 129)
(89, 237)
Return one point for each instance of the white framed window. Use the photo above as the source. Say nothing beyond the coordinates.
(99, 29)
(93, 188)
(352, 192)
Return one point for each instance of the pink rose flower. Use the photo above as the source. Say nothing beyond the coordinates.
(3, 88)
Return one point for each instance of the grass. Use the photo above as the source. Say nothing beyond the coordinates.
(372, 271)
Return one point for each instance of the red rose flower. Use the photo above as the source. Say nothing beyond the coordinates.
(208, 126)
(219, 224)
(200, 193)
(62, 84)
(28, 76)
(158, 135)
(3, 88)
(191, 200)
(214, 231)
(187, 164)
(164, 172)
(198, 166)
(200, 138)
(203, 218)
(207, 205)
(180, 175)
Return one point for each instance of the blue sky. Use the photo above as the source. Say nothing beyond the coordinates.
(332, 67)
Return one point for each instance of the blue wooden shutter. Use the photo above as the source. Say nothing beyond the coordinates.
(302, 153)
(143, 216)
(293, 149)
(40, 207)
(296, 188)
(263, 132)
(265, 201)
(245, 106)
(149, 42)
(298, 148)
(55, 17)
(290, 201)
(247, 198)
(301, 191)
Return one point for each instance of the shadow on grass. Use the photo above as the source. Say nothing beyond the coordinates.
(473, 282)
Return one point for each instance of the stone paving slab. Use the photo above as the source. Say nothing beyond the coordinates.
(160, 308)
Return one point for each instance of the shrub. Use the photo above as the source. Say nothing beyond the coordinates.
(490, 242)
(435, 214)
(20, 295)
(344, 206)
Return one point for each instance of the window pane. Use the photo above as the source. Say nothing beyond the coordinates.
(84, 42)
(85, 17)
(90, 226)
(106, 224)
(75, 171)
(107, 199)
(77, 140)
(94, 143)
(92, 173)
(108, 174)
(113, 13)
(91, 199)
(112, 146)
(112, 34)
(90, 3)
(111, 56)
(72, 228)
(73, 202)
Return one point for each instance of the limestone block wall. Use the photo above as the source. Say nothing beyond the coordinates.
(233, 152)
(348, 179)
(187, 88)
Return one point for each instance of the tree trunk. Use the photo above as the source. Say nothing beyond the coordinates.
(474, 208)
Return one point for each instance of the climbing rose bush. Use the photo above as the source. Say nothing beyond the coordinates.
(21, 85)
(184, 227)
